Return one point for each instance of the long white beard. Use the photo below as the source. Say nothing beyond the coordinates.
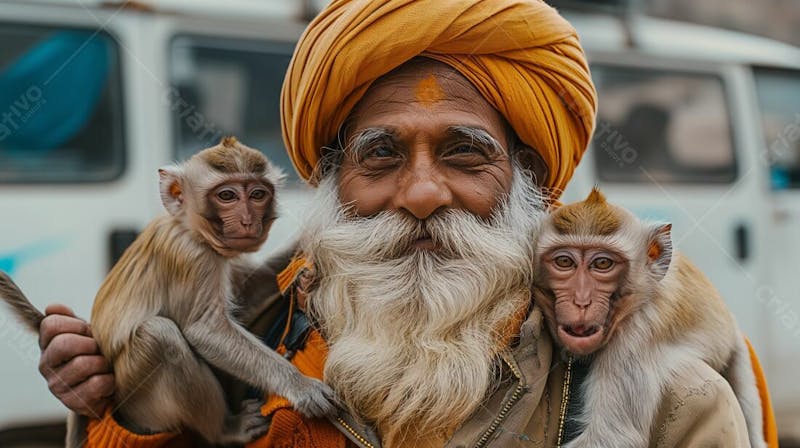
(413, 334)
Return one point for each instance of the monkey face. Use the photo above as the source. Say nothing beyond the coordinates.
(241, 211)
(225, 195)
(583, 281)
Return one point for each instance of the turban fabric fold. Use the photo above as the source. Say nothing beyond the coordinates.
(521, 55)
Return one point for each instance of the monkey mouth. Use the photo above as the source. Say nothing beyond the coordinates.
(581, 331)
(243, 243)
(581, 339)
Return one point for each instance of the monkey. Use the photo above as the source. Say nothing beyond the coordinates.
(616, 297)
(163, 315)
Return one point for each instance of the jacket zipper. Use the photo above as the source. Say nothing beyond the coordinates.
(518, 391)
(363, 441)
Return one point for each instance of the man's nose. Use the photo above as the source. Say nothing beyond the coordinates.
(423, 189)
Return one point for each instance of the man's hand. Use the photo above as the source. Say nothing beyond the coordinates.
(76, 372)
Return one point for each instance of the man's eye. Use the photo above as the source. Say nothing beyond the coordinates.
(465, 148)
(466, 154)
(380, 152)
(226, 195)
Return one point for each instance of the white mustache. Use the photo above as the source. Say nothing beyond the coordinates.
(455, 233)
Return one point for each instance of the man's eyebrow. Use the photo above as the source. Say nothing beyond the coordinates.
(366, 137)
(477, 135)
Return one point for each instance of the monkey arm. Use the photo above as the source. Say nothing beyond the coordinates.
(227, 346)
(699, 408)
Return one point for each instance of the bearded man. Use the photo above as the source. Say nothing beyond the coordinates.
(436, 132)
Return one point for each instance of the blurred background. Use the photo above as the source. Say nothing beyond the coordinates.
(699, 125)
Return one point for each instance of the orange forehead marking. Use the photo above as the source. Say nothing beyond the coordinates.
(428, 91)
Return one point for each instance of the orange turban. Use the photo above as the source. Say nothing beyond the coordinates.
(521, 55)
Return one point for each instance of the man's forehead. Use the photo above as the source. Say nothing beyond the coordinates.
(426, 87)
(433, 80)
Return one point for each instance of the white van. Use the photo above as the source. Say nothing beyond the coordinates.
(697, 126)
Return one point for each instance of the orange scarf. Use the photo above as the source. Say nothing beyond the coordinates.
(289, 428)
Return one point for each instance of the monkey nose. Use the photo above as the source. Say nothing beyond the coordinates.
(582, 301)
(250, 229)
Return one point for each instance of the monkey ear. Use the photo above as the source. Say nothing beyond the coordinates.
(169, 183)
(276, 175)
(659, 249)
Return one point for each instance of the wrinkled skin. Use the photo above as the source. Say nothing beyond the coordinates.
(583, 281)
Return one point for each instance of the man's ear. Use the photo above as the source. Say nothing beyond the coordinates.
(531, 160)
(659, 249)
(169, 184)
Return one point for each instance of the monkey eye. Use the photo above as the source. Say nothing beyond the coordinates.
(564, 261)
(603, 263)
(258, 194)
(226, 195)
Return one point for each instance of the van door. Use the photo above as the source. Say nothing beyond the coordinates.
(778, 95)
(667, 148)
(64, 178)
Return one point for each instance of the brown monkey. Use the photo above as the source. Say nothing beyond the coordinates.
(163, 313)
(614, 294)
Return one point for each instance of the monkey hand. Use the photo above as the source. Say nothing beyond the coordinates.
(313, 399)
(76, 373)
(246, 426)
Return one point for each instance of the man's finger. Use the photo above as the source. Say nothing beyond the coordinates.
(56, 324)
(76, 371)
(91, 397)
(57, 308)
(63, 348)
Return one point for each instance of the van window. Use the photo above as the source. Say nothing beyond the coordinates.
(228, 87)
(662, 126)
(60, 105)
(778, 93)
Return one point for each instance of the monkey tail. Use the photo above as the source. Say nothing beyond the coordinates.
(22, 307)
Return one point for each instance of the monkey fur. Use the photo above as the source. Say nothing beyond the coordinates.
(27, 314)
(613, 293)
(163, 315)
